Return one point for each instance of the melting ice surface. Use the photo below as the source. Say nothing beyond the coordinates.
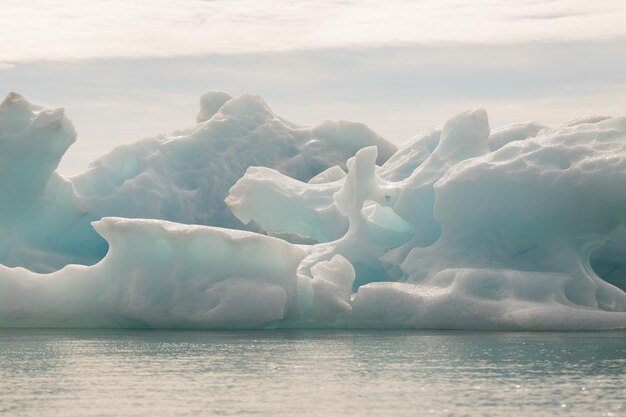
(461, 227)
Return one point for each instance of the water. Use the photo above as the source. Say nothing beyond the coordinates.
(311, 373)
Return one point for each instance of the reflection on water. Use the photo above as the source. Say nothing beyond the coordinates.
(310, 373)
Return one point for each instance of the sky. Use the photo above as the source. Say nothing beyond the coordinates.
(127, 70)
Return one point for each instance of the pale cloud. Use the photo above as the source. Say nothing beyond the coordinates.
(77, 29)
(5, 66)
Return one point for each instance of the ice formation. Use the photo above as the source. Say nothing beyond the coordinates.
(462, 227)
(182, 177)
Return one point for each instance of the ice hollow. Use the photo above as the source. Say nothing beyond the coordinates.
(516, 228)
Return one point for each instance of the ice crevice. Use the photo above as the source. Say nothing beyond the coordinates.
(247, 220)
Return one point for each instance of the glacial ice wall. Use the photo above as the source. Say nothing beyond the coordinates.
(522, 227)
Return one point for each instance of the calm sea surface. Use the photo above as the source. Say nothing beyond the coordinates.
(311, 373)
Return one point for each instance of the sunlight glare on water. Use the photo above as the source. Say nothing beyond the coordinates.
(311, 373)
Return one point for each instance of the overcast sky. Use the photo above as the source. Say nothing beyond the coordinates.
(126, 70)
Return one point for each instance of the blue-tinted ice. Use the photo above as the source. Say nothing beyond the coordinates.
(519, 228)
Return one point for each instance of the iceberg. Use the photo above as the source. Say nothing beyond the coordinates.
(183, 176)
(461, 227)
